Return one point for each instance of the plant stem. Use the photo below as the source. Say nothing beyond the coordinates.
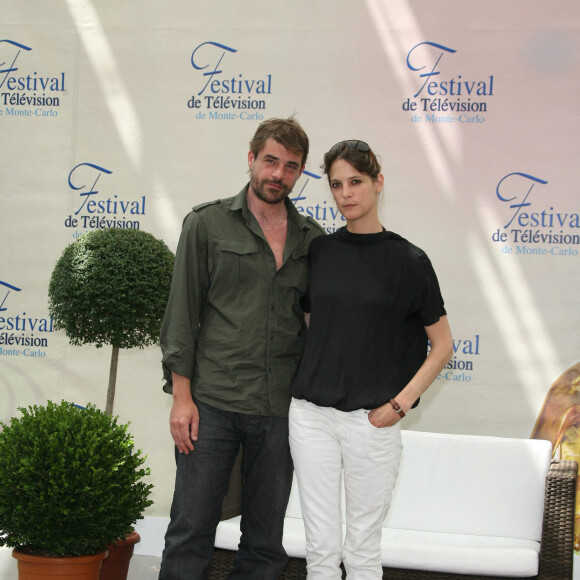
(112, 381)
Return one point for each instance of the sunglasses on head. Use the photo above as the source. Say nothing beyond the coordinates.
(354, 144)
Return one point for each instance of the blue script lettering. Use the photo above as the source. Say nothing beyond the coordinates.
(11, 68)
(92, 190)
(434, 72)
(524, 202)
(215, 71)
(10, 287)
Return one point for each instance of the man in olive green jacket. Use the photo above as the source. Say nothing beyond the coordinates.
(231, 339)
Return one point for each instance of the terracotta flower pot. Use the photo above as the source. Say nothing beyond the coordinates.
(116, 565)
(32, 567)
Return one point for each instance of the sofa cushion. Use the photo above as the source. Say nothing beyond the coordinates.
(436, 552)
(227, 535)
(462, 484)
(293, 510)
(462, 504)
(460, 553)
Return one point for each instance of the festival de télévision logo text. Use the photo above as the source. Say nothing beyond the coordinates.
(222, 92)
(25, 92)
(442, 98)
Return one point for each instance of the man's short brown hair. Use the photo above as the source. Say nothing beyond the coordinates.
(287, 132)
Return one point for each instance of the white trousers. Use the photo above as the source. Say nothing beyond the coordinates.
(328, 445)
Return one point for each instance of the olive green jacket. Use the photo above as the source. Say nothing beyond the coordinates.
(233, 323)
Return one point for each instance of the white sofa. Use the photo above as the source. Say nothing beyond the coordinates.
(465, 505)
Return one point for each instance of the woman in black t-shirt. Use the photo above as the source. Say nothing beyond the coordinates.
(374, 304)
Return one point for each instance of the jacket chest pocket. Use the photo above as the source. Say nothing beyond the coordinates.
(299, 264)
(239, 261)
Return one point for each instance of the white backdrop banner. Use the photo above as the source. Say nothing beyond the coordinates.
(127, 114)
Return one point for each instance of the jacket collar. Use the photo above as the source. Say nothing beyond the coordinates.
(240, 203)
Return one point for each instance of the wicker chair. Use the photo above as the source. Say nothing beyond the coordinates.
(556, 555)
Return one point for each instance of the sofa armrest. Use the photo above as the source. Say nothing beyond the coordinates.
(557, 551)
(232, 504)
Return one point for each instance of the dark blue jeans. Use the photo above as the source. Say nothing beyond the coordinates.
(201, 484)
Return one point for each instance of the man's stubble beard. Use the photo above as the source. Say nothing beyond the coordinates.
(272, 198)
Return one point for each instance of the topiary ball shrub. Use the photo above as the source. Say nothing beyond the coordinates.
(110, 287)
(71, 481)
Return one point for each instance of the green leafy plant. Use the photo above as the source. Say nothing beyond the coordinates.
(71, 481)
(111, 287)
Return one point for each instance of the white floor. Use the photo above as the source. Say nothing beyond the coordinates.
(141, 567)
